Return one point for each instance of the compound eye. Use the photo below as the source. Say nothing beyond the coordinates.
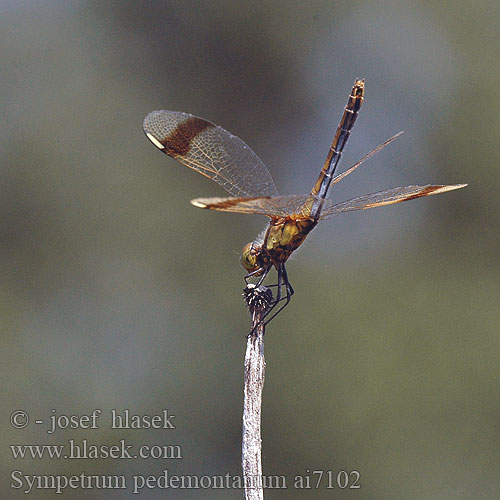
(250, 257)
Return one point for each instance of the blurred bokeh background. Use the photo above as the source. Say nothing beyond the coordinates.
(116, 293)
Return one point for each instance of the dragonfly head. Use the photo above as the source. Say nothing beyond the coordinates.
(251, 257)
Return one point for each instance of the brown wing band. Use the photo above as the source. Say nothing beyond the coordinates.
(178, 142)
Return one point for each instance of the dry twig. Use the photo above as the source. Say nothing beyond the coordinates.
(258, 300)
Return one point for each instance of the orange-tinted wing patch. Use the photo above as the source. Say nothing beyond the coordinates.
(211, 151)
(387, 197)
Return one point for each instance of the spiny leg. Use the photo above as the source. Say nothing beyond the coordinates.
(282, 276)
(275, 301)
(282, 281)
(264, 272)
(255, 291)
(289, 288)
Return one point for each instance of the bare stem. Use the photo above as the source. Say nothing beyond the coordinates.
(257, 301)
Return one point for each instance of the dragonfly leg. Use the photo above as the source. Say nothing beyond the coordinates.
(274, 302)
(289, 292)
(282, 282)
(289, 288)
(264, 272)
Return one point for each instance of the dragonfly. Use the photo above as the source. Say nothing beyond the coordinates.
(228, 161)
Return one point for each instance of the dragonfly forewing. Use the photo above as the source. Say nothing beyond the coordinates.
(295, 206)
(211, 151)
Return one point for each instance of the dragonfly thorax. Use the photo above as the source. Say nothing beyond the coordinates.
(285, 235)
(282, 237)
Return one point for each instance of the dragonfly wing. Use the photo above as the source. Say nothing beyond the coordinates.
(272, 206)
(387, 197)
(339, 177)
(211, 151)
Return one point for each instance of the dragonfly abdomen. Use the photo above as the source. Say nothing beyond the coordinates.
(344, 128)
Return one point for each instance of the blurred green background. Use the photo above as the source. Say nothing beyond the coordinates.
(116, 293)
